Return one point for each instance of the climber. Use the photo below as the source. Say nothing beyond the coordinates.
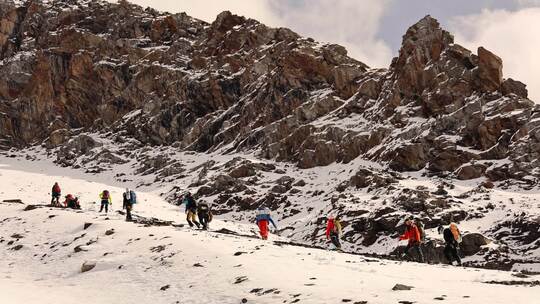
(106, 200)
(333, 231)
(129, 199)
(72, 202)
(413, 235)
(451, 247)
(262, 219)
(55, 193)
(191, 210)
(205, 214)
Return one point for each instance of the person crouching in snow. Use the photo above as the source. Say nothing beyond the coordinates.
(106, 200)
(262, 219)
(72, 202)
(333, 231)
(191, 210)
(413, 235)
(55, 193)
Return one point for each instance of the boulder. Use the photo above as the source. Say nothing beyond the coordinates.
(300, 183)
(30, 208)
(401, 287)
(80, 248)
(285, 181)
(87, 266)
(411, 157)
(511, 86)
(472, 243)
(365, 178)
(17, 247)
(489, 70)
(279, 189)
(470, 171)
(57, 138)
(243, 170)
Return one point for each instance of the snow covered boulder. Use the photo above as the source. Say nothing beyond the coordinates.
(365, 178)
(244, 170)
(470, 171)
(411, 157)
(57, 138)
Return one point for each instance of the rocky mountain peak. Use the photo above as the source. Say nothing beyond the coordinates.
(170, 79)
(422, 45)
(226, 21)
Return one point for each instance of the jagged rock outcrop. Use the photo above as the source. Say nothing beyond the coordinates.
(165, 79)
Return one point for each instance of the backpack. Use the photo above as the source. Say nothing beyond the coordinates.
(105, 195)
(132, 197)
(421, 229)
(56, 188)
(455, 231)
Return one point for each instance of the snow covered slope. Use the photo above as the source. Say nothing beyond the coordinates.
(372, 202)
(171, 264)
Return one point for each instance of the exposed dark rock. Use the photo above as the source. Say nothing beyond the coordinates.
(30, 207)
(87, 266)
(17, 247)
(472, 243)
(401, 287)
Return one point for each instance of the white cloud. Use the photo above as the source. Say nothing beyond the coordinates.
(207, 10)
(528, 3)
(351, 23)
(513, 35)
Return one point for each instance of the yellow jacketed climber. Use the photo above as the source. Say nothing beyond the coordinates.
(106, 195)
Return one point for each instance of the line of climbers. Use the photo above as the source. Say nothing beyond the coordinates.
(71, 201)
(416, 236)
(414, 229)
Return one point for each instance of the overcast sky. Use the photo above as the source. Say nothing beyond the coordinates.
(372, 29)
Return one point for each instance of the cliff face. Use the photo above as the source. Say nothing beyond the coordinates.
(239, 84)
(140, 78)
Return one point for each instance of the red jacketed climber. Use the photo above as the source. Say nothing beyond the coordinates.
(412, 234)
